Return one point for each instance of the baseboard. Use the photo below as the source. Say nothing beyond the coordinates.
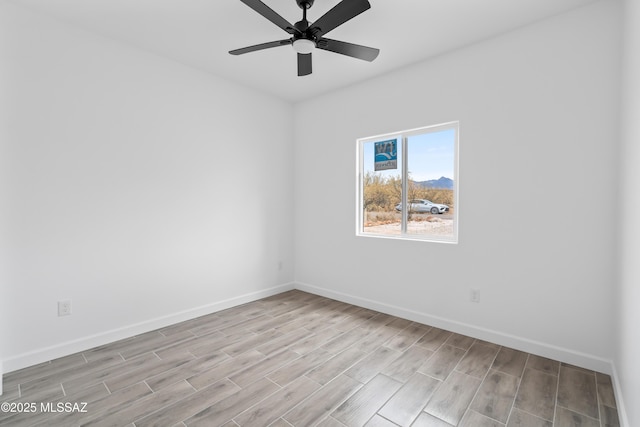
(85, 343)
(622, 412)
(523, 344)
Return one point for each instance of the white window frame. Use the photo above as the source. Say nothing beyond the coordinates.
(403, 137)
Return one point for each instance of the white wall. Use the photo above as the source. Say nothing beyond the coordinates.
(4, 247)
(628, 344)
(145, 191)
(538, 111)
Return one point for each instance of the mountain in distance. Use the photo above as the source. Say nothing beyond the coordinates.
(441, 183)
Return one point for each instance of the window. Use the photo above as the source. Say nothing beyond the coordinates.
(418, 169)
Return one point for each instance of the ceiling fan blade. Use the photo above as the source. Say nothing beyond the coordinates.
(354, 50)
(271, 15)
(304, 64)
(341, 13)
(260, 47)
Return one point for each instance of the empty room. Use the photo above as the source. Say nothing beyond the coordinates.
(330, 212)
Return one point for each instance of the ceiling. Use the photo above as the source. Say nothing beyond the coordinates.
(199, 33)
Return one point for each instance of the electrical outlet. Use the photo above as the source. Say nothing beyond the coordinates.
(475, 295)
(64, 308)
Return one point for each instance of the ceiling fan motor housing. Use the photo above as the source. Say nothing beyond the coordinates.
(302, 26)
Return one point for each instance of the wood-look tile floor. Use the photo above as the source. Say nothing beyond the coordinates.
(297, 359)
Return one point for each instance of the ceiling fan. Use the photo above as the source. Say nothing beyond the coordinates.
(308, 36)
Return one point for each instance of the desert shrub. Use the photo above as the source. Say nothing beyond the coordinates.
(382, 194)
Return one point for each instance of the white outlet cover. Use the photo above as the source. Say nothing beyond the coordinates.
(64, 308)
(475, 295)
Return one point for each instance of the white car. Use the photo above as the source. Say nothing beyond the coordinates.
(424, 206)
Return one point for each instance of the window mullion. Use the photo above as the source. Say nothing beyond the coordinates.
(405, 187)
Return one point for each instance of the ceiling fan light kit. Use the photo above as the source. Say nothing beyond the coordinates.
(305, 36)
(304, 46)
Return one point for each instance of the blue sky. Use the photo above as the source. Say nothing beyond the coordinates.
(431, 156)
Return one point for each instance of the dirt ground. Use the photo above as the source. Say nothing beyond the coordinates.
(389, 224)
(438, 227)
